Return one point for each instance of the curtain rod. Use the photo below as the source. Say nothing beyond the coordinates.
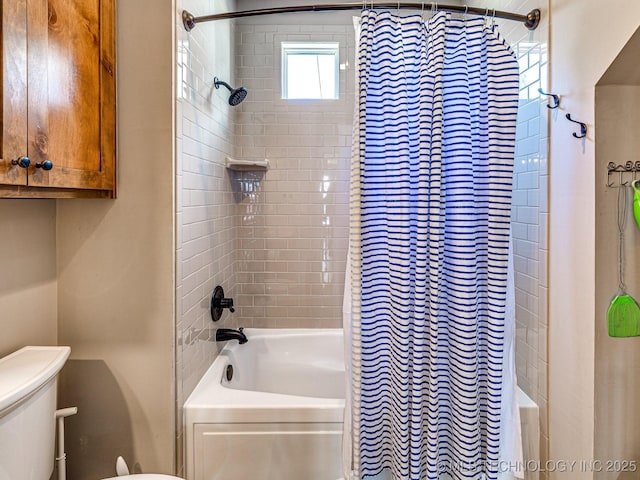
(530, 20)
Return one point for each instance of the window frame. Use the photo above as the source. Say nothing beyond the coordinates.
(309, 48)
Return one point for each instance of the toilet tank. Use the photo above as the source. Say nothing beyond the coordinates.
(27, 411)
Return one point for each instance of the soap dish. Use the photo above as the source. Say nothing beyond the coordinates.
(247, 165)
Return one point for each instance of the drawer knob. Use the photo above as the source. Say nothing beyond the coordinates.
(22, 162)
(46, 165)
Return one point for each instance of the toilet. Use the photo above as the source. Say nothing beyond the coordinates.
(28, 380)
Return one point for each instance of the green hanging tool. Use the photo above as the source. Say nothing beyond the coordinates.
(623, 315)
(636, 201)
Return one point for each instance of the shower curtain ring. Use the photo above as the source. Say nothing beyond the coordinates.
(466, 9)
(493, 18)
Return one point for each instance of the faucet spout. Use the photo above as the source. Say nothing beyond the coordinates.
(224, 334)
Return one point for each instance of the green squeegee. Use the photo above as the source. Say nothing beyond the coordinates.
(623, 315)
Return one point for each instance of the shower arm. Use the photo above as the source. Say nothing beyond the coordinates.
(217, 82)
(530, 20)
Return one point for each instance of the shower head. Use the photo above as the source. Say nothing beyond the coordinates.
(237, 94)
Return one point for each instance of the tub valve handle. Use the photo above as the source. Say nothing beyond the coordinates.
(219, 303)
(227, 303)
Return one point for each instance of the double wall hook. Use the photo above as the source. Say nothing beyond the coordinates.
(583, 127)
(555, 98)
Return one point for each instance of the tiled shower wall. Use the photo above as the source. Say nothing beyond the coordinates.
(530, 206)
(292, 220)
(205, 220)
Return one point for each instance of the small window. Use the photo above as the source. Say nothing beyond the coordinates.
(310, 70)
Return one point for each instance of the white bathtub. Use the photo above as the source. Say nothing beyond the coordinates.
(280, 416)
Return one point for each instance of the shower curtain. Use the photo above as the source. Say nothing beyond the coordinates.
(430, 218)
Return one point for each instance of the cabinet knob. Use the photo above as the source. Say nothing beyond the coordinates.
(46, 165)
(22, 162)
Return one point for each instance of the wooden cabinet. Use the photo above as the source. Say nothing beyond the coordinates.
(58, 99)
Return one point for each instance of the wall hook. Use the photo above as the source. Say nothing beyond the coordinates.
(556, 98)
(583, 127)
(611, 167)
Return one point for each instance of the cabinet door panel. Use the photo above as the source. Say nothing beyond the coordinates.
(14, 91)
(65, 109)
(37, 48)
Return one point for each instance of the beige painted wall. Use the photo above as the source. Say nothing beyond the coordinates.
(584, 41)
(115, 266)
(28, 303)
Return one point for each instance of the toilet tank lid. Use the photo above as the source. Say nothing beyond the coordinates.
(23, 372)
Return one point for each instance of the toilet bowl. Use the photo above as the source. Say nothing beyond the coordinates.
(28, 380)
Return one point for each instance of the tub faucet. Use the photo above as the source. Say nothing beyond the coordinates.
(224, 334)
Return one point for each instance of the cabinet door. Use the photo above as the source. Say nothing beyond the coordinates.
(13, 113)
(71, 104)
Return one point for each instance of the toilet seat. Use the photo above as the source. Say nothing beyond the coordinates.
(144, 476)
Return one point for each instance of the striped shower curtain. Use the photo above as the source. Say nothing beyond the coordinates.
(430, 217)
